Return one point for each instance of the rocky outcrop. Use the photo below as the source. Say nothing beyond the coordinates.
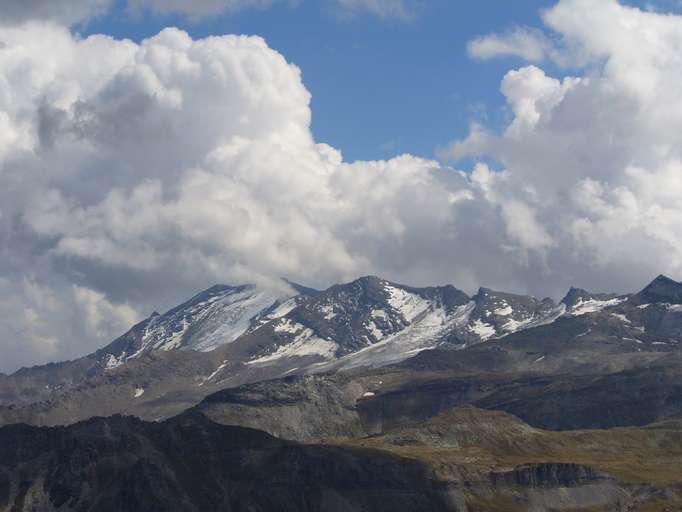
(547, 474)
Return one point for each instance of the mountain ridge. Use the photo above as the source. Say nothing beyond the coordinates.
(367, 323)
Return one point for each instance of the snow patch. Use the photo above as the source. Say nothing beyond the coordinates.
(515, 325)
(583, 307)
(114, 362)
(482, 329)
(504, 311)
(376, 333)
(423, 334)
(327, 311)
(287, 326)
(213, 322)
(621, 317)
(216, 372)
(304, 344)
(367, 394)
(410, 305)
(379, 313)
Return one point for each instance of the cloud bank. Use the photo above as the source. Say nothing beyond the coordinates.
(161, 167)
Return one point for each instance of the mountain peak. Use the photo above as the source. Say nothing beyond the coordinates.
(663, 279)
(579, 301)
(371, 279)
(302, 289)
(575, 295)
(661, 289)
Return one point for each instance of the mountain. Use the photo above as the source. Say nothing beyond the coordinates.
(229, 336)
(374, 322)
(497, 314)
(369, 395)
(462, 459)
(580, 302)
(660, 290)
(378, 320)
(214, 317)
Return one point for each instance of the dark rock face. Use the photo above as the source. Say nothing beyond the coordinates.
(634, 397)
(662, 289)
(123, 464)
(547, 475)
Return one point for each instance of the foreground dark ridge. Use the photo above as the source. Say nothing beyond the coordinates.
(123, 464)
(462, 460)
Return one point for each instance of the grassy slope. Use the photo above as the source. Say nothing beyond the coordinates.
(468, 444)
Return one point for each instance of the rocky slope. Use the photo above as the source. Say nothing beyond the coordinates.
(122, 464)
(464, 459)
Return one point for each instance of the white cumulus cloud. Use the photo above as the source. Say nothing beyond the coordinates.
(529, 44)
(132, 175)
(165, 166)
(596, 156)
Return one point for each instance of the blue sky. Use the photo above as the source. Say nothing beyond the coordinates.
(380, 86)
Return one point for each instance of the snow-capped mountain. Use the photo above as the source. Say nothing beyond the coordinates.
(367, 322)
(212, 318)
(374, 322)
(230, 335)
(497, 314)
(580, 302)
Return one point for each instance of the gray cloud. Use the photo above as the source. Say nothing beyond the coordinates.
(71, 12)
(529, 44)
(66, 12)
(201, 8)
(385, 9)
